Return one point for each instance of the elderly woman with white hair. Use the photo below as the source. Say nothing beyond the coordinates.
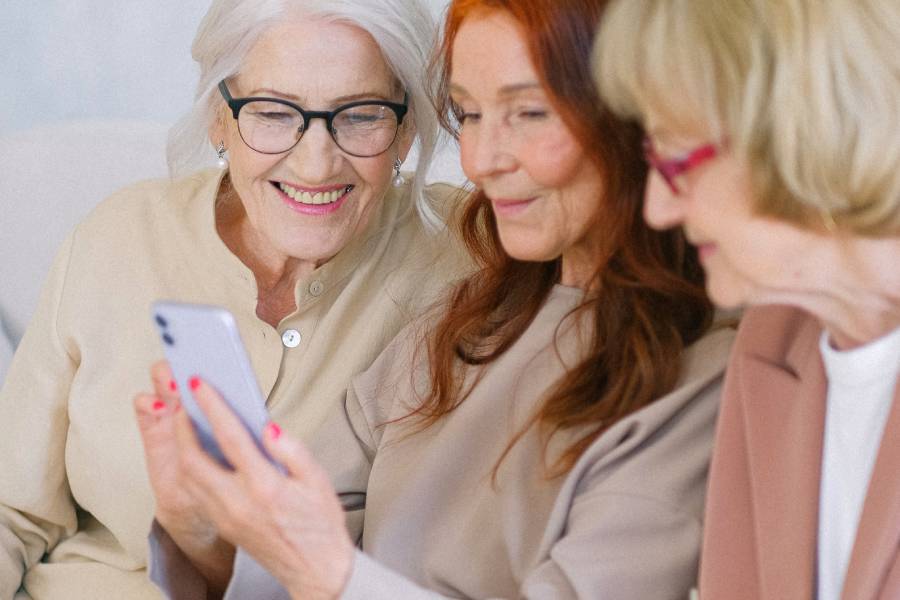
(307, 233)
(778, 156)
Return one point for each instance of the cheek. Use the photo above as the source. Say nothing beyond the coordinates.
(660, 209)
(553, 161)
(374, 173)
(772, 258)
(247, 166)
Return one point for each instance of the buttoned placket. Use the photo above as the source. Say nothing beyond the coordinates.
(291, 336)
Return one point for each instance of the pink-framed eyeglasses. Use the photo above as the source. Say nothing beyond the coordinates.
(670, 168)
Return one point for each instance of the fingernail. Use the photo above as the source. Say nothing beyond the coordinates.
(173, 386)
(158, 405)
(274, 430)
(194, 382)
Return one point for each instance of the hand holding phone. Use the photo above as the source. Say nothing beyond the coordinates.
(203, 341)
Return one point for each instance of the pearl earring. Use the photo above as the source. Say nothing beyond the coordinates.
(221, 161)
(398, 180)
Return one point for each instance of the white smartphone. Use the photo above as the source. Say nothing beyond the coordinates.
(201, 340)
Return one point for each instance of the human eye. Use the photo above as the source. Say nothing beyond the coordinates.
(361, 117)
(275, 116)
(464, 116)
(365, 116)
(529, 115)
(468, 117)
(533, 114)
(270, 113)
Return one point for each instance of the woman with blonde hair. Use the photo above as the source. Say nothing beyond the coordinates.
(778, 156)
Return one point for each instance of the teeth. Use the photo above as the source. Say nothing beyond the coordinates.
(316, 198)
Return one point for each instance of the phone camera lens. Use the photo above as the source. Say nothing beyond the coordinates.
(168, 339)
(161, 322)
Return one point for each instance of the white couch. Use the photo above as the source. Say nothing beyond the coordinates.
(52, 176)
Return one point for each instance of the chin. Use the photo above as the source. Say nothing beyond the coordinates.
(529, 255)
(523, 247)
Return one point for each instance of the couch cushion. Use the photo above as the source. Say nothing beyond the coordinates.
(53, 176)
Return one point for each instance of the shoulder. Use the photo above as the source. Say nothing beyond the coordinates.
(446, 199)
(140, 204)
(388, 388)
(770, 332)
(425, 257)
(699, 386)
(662, 450)
(138, 228)
(707, 358)
(403, 213)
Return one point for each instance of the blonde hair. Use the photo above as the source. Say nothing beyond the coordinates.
(806, 92)
(403, 29)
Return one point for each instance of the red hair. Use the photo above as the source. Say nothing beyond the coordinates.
(650, 301)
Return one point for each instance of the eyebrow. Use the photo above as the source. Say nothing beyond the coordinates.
(336, 101)
(506, 90)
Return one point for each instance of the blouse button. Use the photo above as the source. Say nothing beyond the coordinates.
(291, 338)
(316, 288)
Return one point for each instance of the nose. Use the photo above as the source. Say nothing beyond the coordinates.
(316, 157)
(486, 150)
(662, 208)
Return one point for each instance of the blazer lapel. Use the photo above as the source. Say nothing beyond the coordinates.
(877, 539)
(785, 428)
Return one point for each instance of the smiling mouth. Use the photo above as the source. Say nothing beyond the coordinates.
(507, 202)
(313, 198)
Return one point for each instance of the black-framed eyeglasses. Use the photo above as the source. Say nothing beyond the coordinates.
(274, 126)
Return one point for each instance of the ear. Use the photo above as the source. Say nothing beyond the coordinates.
(405, 138)
(217, 130)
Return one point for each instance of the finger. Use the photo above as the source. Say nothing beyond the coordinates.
(154, 424)
(196, 464)
(164, 383)
(217, 490)
(147, 405)
(149, 410)
(233, 438)
(294, 455)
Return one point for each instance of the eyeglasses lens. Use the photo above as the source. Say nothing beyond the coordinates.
(273, 128)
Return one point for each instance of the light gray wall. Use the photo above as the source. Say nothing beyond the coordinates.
(96, 59)
(75, 59)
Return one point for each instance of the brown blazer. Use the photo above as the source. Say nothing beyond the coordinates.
(762, 507)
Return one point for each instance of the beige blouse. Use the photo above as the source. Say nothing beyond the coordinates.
(75, 503)
(624, 523)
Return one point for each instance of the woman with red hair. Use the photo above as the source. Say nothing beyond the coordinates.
(546, 432)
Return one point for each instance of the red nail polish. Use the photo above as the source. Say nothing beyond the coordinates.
(158, 405)
(274, 431)
(194, 382)
(173, 386)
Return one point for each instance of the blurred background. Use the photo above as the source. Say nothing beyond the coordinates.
(63, 60)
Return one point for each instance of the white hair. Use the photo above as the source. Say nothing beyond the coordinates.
(403, 29)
